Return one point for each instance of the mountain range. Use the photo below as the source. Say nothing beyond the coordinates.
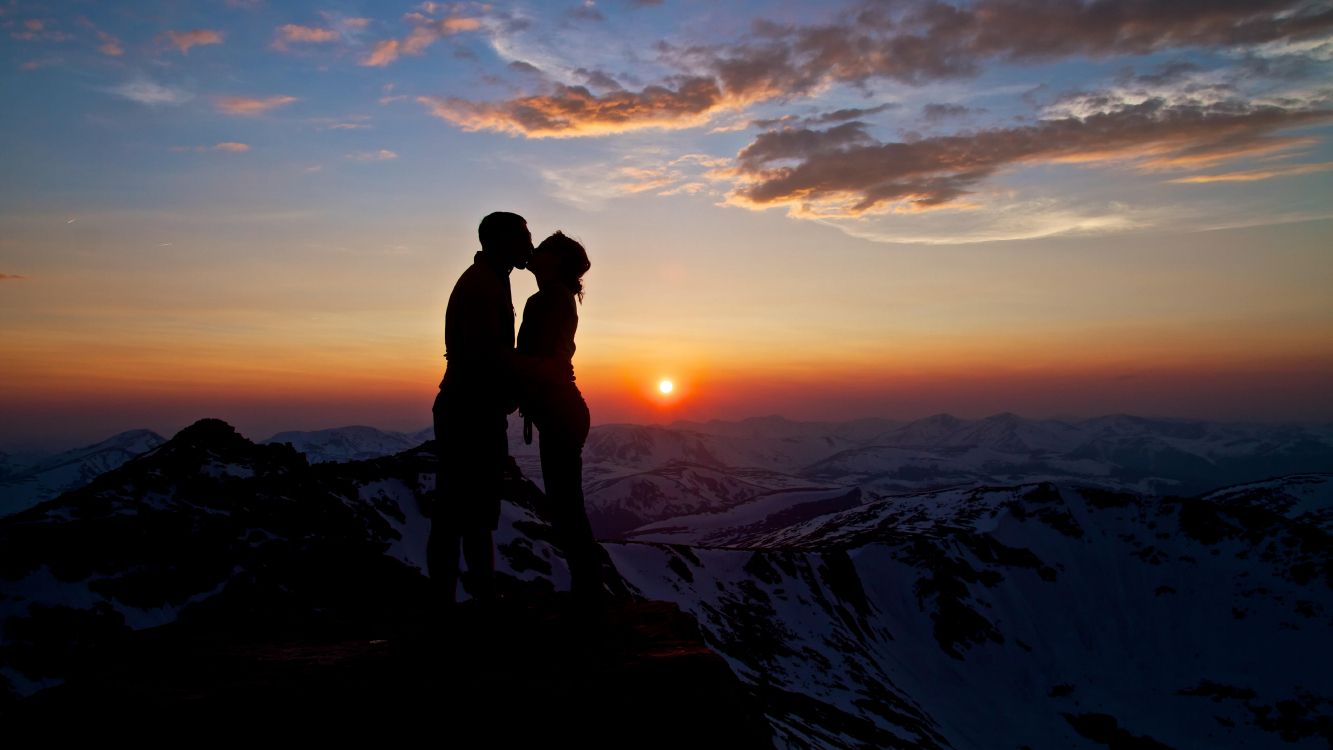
(24, 483)
(681, 482)
(1050, 612)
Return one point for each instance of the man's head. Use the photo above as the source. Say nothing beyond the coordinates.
(506, 235)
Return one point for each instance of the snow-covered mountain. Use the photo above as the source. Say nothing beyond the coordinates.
(1036, 614)
(659, 482)
(1304, 498)
(352, 443)
(23, 485)
(642, 480)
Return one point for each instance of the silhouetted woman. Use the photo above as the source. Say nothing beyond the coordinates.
(555, 405)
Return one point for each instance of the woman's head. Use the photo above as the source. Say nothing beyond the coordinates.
(564, 259)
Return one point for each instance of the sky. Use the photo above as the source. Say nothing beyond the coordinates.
(255, 210)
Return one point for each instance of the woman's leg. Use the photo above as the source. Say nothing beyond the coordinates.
(561, 449)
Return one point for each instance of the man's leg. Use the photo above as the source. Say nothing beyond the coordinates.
(488, 446)
(447, 519)
(442, 548)
(479, 552)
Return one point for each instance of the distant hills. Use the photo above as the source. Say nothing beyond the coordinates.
(640, 477)
(24, 484)
(354, 443)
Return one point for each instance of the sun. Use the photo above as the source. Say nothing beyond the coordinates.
(665, 387)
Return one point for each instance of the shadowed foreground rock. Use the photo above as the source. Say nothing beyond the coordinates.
(213, 586)
(526, 670)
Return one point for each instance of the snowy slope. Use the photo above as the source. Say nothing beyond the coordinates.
(352, 443)
(1305, 498)
(652, 475)
(1037, 616)
(23, 486)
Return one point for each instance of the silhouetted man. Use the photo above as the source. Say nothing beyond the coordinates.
(476, 395)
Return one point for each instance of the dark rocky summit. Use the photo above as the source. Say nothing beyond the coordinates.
(217, 583)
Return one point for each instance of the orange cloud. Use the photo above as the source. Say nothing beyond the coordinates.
(844, 172)
(456, 24)
(38, 28)
(1254, 175)
(383, 154)
(11, 277)
(294, 34)
(425, 33)
(184, 40)
(110, 45)
(230, 146)
(249, 107)
(575, 111)
(382, 54)
(913, 41)
(420, 38)
(39, 64)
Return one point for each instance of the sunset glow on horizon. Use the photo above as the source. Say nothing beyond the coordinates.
(256, 211)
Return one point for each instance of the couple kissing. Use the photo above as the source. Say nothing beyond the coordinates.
(487, 378)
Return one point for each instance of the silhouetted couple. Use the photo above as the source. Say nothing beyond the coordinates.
(485, 380)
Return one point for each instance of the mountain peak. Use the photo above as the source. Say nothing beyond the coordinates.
(207, 430)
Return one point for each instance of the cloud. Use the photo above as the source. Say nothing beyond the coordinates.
(147, 92)
(838, 115)
(587, 11)
(929, 40)
(11, 277)
(383, 53)
(425, 32)
(227, 146)
(383, 154)
(344, 122)
(1254, 175)
(1173, 84)
(39, 29)
(184, 40)
(843, 115)
(1005, 220)
(598, 79)
(294, 34)
(250, 107)
(913, 42)
(934, 113)
(570, 111)
(42, 63)
(592, 186)
(844, 172)
(110, 45)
